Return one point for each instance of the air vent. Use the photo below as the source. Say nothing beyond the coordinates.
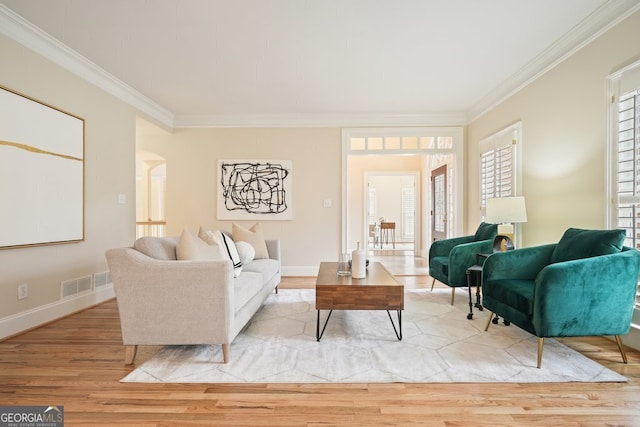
(101, 279)
(72, 287)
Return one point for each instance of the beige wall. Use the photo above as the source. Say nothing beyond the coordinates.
(563, 117)
(109, 171)
(192, 154)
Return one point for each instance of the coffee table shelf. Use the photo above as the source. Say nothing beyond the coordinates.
(379, 290)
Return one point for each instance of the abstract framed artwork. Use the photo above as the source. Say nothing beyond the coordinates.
(255, 190)
(41, 173)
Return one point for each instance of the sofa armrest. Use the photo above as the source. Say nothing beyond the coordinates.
(443, 247)
(172, 302)
(523, 264)
(273, 247)
(588, 296)
(462, 257)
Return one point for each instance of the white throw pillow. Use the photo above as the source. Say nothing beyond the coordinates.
(246, 251)
(190, 247)
(229, 251)
(253, 236)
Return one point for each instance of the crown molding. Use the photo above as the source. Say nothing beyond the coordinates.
(32, 37)
(320, 120)
(22, 31)
(606, 17)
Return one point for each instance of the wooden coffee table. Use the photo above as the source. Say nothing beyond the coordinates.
(379, 290)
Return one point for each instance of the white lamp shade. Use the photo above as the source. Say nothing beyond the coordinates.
(501, 210)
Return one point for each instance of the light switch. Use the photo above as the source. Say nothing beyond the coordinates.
(326, 203)
(122, 199)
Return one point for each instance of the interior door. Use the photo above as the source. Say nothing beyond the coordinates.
(439, 203)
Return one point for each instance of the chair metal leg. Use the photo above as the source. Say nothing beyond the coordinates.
(433, 283)
(486, 328)
(540, 347)
(453, 294)
(621, 348)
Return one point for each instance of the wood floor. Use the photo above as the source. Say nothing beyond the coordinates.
(78, 362)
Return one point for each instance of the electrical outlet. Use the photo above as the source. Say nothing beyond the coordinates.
(23, 291)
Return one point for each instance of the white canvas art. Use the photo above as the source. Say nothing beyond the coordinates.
(255, 189)
(41, 173)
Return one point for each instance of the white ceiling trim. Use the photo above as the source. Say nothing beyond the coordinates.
(27, 34)
(32, 37)
(320, 120)
(605, 18)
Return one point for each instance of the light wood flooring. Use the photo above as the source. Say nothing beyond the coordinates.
(78, 362)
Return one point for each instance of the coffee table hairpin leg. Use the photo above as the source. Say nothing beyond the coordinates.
(398, 331)
(318, 333)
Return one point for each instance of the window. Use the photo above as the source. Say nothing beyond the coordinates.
(498, 164)
(624, 156)
(628, 169)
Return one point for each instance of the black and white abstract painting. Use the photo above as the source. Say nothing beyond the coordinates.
(255, 189)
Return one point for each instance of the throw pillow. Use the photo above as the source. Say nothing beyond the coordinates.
(207, 236)
(246, 251)
(229, 251)
(253, 236)
(485, 232)
(577, 243)
(190, 247)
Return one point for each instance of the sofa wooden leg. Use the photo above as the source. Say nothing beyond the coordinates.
(433, 283)
(225, 352)
(453, 294)
(621, 348)
(540, 347)
(276, 289)
(130, 353)
(486, 328)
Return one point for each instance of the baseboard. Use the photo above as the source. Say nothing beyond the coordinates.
(26, 320)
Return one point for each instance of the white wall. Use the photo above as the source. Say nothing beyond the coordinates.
(563, 116)
(109, 171)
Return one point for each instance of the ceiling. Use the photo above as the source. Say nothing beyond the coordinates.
(270, 62)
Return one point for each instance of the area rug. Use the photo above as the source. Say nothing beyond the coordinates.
(439, 345)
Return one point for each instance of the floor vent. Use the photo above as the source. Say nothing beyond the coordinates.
(75, 286)
(101, 279)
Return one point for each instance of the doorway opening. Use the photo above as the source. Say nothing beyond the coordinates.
(385, 152)
(151, 182)
(391, 201)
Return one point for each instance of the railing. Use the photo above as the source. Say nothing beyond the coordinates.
(150, 228)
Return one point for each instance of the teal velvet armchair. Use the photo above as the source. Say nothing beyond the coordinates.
(584, 285)
(450, 258)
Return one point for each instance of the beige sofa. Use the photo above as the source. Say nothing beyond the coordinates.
(163, 301)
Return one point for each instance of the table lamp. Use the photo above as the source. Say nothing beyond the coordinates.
(504, 211)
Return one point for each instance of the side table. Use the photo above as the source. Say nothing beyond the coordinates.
(474, 278)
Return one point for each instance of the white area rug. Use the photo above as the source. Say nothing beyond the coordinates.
(439, 345)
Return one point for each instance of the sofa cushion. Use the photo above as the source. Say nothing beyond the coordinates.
(245, 287)
(162, 248)
(515, 293)
(578, 243)
(228, 250)
(439, 266)
(266, 267)
(191, 247)
(253, 236)
(246, 251)
(485, 232)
